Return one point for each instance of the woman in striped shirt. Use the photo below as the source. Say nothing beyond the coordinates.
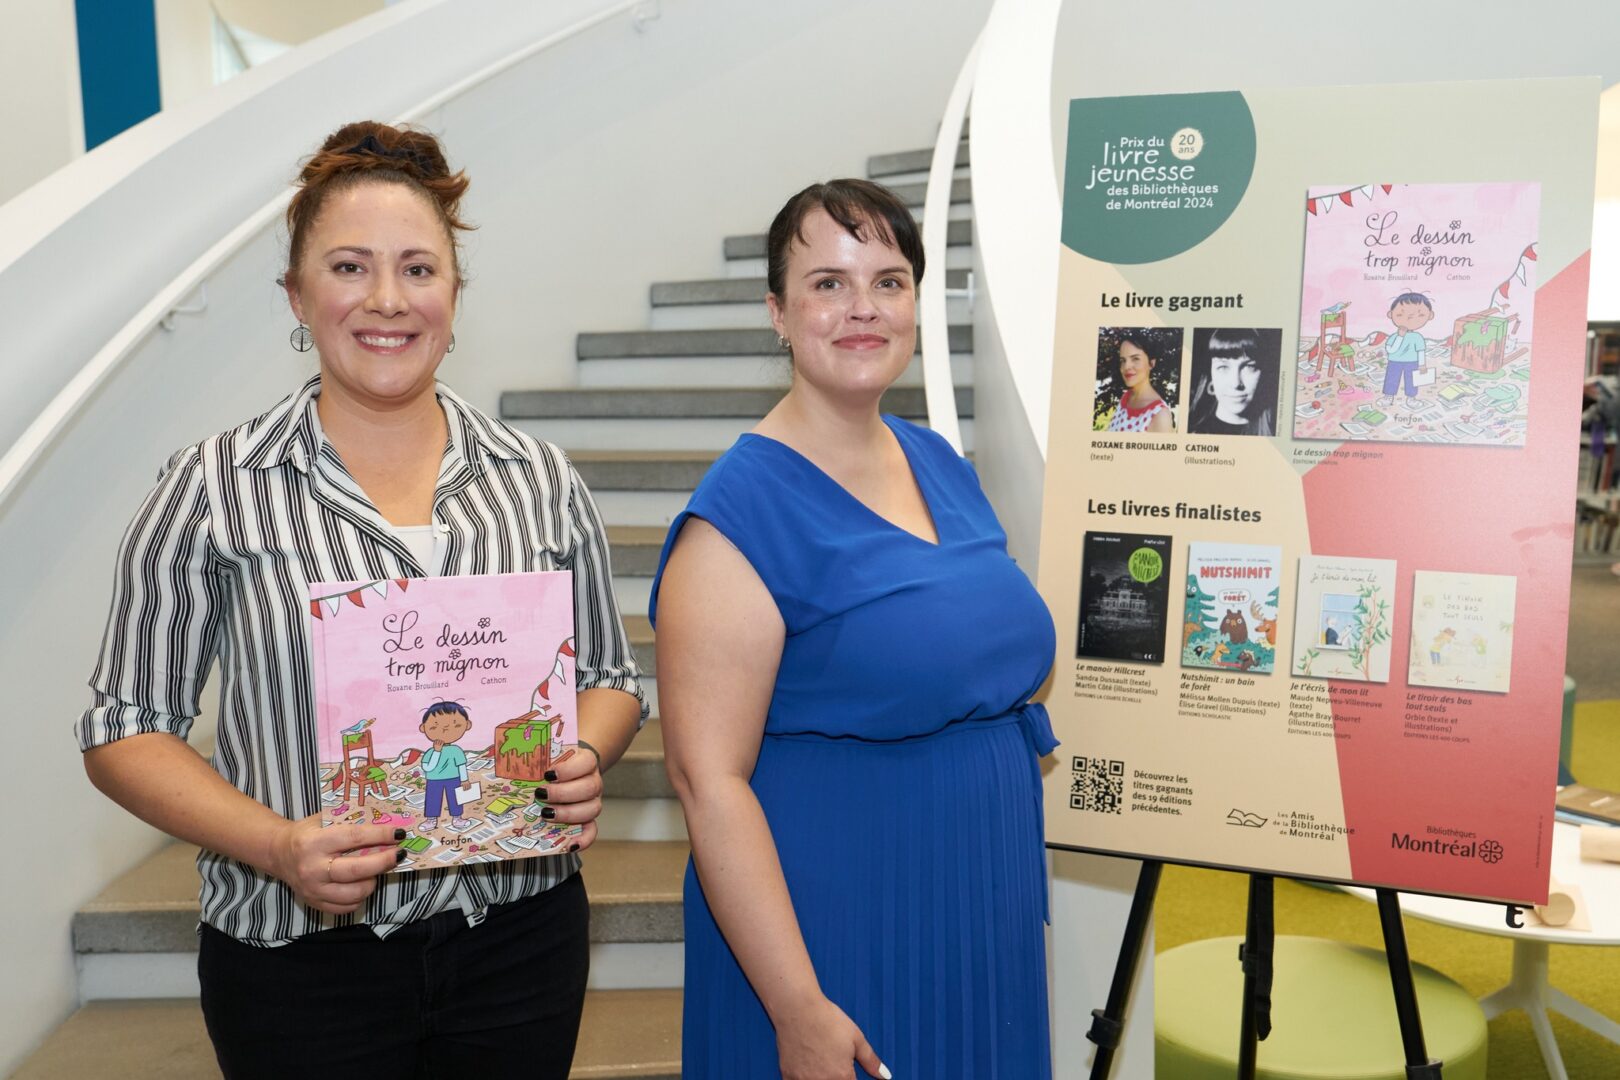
(370, 470)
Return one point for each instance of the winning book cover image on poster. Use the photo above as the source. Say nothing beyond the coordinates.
(1462, 630)
(1234, 378)
(1416, 313)
(1124, 597)
(440, 704)
(1138, 379)
(1342, 620)
(1230, 618)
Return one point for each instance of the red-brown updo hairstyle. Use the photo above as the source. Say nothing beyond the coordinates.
(367, 152)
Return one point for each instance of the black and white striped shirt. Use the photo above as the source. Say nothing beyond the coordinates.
(215, 566)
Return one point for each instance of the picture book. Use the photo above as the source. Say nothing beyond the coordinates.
(1230, 618)
(1124, 596)
(1342, 618)
(440, 705)
(1417, 313)
(1462, 630)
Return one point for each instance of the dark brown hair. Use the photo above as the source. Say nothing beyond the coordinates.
(368, 152)
(856, 205)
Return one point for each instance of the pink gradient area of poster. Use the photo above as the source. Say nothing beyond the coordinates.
(440, 703)
(1399, 777)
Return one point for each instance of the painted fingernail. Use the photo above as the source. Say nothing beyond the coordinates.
(399, 834)
(573, 847)
(548, 812)
(539, 794)
(551, 774)
(883, 1071)
(399, 855)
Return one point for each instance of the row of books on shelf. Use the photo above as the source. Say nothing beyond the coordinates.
(1597, 524)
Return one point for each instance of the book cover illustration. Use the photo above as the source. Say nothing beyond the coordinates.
(1416, 313)
(1342, 619)
(1124, 597)
(1230, 618)
(440, 704)
(1462, 630)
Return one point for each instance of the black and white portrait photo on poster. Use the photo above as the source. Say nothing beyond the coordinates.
(1234, 375)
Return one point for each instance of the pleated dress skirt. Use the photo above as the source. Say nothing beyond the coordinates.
(917, 874)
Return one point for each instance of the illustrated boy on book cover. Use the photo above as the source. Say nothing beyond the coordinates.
(1417, 312)
(1230, 617)
(440, 705)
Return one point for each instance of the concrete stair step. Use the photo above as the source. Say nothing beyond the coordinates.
(957, 234)
(956, 258)
(677, 403)
(695, 372)
(739, 290)
(624, 1035)
(634, 887)
(643, 470)
(640, 774)
(739, 341)
(909, 161)
(635, 550)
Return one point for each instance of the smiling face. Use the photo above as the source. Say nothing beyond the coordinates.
(849, 311)
(1410, 316)
(377, 287)
(1135, 365)
(1233, 379)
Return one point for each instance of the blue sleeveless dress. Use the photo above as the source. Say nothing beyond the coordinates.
(898, 771)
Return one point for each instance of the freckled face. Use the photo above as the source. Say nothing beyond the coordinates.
(377, 288)
(445, 727)
(1411, 316)
(1135, 365)
(848, 310)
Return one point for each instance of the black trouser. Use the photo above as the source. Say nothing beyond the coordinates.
(435, 999)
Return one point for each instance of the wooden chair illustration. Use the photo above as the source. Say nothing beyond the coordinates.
(1333, 337)
(361, 777)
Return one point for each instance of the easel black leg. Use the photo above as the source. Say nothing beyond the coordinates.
(1107, 1025)
(1419, 1066)
(1256, 953)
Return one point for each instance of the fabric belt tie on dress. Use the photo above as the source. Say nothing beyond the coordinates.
(1036, 725)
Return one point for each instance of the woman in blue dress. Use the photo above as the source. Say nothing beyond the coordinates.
(845, 656)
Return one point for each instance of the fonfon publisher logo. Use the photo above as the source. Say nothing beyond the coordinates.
(1449, 843)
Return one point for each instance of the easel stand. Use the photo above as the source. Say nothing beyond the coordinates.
(1255, 954)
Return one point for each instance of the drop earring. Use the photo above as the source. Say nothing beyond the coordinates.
(301, 339)
(450, 348)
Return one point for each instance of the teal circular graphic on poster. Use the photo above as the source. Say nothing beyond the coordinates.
(1151, 177)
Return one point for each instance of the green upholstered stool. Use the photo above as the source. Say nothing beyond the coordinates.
(1332, 1015)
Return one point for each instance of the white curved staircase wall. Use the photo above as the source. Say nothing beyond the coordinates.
(612, 161)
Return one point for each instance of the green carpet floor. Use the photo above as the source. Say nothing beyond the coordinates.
(1196, 904)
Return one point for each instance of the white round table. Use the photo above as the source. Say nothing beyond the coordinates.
(1527, 987)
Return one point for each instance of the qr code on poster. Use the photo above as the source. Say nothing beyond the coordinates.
(1098, 785)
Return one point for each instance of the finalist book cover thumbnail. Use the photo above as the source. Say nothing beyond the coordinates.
(1124, 597)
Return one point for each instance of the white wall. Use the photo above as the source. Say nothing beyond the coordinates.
(621, 159)
(40, 111)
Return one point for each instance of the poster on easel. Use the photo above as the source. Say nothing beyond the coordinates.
(1309, 559)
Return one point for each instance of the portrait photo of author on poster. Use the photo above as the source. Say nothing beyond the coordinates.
(1138, 379)
(1234, 381)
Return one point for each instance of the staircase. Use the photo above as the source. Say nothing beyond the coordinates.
(651, 411)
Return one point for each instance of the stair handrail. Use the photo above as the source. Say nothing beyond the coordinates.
(31, 445)
(939, 387)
